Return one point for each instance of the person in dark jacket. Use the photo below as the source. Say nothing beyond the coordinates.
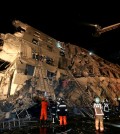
(53, 111)
(106, 109)
(62, 113)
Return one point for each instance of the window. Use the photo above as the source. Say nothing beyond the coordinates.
(20, 29)
(50, 48)
(62, 53)
(34, 41)
(29, 70)
(1, 42)
(37, 33)
(35, 56)
(49, 60)
(50, 75)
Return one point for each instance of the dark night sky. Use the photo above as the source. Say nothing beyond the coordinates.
(70, 23)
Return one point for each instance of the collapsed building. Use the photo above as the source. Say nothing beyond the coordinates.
(37, 65)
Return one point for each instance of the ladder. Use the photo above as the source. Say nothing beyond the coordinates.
(45, 82)
(85, 96)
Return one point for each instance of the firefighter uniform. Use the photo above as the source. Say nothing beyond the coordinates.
(62, 113)
(106, 109)
(98, 109)
(53, 111)
(44, 106)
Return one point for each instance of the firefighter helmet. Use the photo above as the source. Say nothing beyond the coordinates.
(97, 100)
(106, 100)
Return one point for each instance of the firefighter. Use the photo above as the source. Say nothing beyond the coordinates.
(62, 113)
(58, 102)
(106, 109)
(98, 109)
(44, 107)
(53, 111)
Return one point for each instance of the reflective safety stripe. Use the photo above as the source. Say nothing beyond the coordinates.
(62, 105)
(98, 109)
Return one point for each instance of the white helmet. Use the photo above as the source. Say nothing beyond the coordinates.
(59, 99)
(97, 100)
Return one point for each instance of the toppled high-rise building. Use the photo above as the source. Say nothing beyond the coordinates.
(37, 65)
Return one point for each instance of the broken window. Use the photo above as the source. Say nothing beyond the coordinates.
(34, 41)
(1, 42)
(49, 60)
(20, 29)
(62, 63)
(4, 65)
(50, 75)
(29, 70)
(62, 53)
(35, 55)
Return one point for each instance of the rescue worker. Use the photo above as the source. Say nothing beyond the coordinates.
(98, 109)
(58, 102)
(53, 111)
(106, 109)
(62, 113)
(44, 107)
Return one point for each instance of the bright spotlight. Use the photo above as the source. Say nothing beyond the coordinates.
(90, 53)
